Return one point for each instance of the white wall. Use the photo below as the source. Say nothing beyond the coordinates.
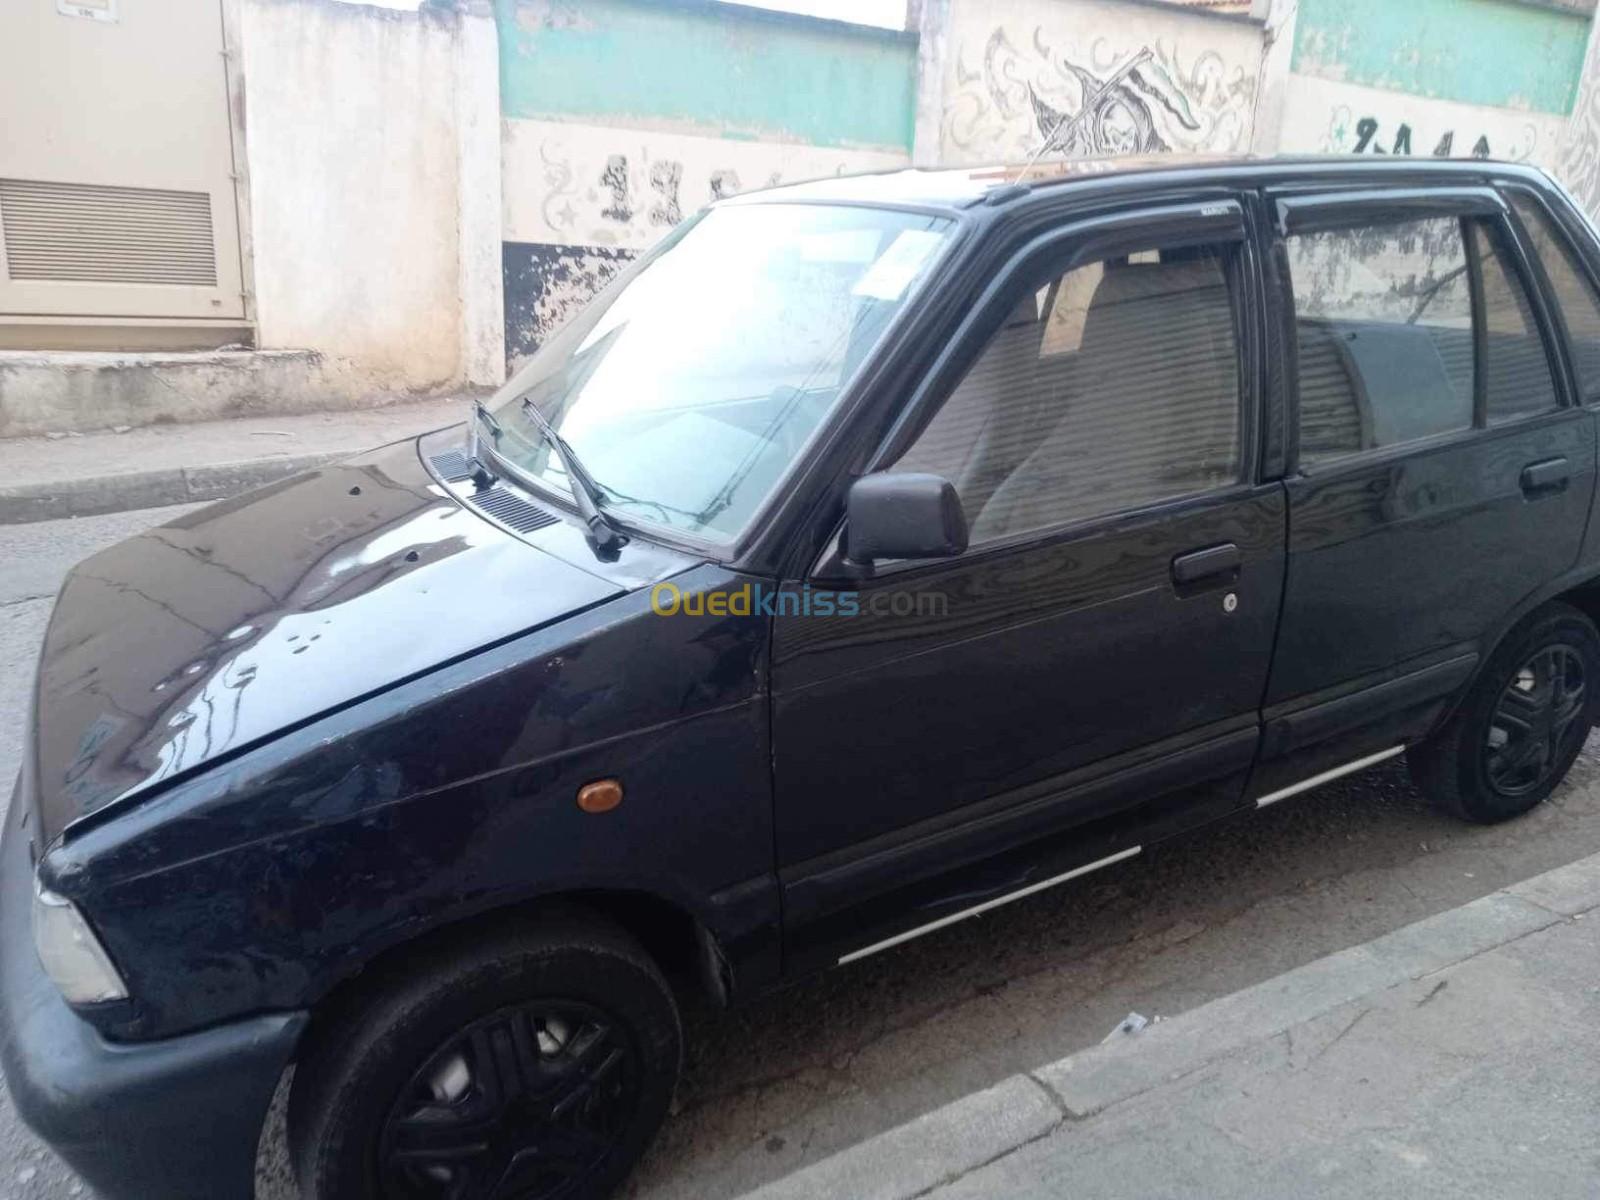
(552, 171)
(624, 117)
(1325, 116)
(366, 161)
(479, 189)
(1579, 163)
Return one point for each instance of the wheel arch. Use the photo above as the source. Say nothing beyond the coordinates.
(1579, 589)
(1585, 598)
(687, 952)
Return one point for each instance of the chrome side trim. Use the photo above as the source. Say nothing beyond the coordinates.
(989, 904)
(1332, 773)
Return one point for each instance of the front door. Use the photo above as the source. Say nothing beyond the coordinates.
(1441, 481)
(957, 732)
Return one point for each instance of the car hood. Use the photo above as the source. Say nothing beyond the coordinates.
(247, 618)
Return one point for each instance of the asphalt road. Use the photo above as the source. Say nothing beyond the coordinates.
(831, 1061)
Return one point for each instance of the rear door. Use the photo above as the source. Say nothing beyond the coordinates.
(1440, 472)
(1563, 251)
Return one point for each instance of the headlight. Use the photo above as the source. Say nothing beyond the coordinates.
(71, 954)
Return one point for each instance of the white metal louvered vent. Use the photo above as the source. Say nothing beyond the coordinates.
(76, 232)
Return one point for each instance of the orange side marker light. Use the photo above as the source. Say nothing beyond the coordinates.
(601, 796)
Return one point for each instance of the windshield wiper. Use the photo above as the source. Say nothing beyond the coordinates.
(605, 539)
(477, 469)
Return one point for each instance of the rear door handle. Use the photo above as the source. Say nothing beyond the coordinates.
(1203, 564)
(1545, 476)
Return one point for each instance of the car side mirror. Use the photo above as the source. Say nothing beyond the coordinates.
(894, 514)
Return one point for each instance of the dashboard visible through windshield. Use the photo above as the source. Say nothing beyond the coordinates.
(689, 388)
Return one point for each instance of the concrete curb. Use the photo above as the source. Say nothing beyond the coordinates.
(89, 497)
(940, 1146)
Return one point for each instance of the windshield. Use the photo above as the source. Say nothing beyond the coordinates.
(687, 390)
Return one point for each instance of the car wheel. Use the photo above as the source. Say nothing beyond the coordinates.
(1520, 728)
(517, 1067)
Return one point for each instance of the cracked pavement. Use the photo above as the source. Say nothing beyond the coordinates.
(829, 1062)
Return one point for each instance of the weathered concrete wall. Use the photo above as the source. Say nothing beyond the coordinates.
(374, 205)
(1579, 164)
(46, 392)
(479, 191)
(622, 117)
(1095, 77)
(1487, 53)
(1451, 78)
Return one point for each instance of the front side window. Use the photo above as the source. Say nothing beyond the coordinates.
(1107, 388)
(688, 389)
(1386, 324)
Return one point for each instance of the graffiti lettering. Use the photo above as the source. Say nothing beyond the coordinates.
(666, 180)
(666, 177)
(1367, 141)
(615, 178)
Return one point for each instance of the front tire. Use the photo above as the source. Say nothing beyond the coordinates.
(1520, 728)
(520, 1066)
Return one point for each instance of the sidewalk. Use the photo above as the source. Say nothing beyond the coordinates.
(45, 478)
(1457, 1056)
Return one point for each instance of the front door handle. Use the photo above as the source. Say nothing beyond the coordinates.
(1204, 564)
(1547, 476)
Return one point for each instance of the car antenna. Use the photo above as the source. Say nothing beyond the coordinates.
(1089, 103)
(1039, 153)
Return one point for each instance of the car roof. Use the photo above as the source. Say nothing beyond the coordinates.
(964, 187)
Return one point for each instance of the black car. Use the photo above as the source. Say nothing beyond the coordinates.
(874, 552)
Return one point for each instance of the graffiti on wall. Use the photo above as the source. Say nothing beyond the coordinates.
(1350, 132)
(1579, 166)
(1011, 99)
(1328, 116)
(580, 185)
(631, 196)
(592, 220)
(581, 201)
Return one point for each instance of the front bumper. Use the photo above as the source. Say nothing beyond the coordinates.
(174, 1119)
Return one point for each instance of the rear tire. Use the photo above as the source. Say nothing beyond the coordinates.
(1521, 726)
(524, 1065)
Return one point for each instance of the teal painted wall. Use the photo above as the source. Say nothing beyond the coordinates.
(707, 68)
(1493, 52)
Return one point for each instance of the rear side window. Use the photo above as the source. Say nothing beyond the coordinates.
(1106, 388)
(1385, 323)
(1580, 308)
(1518, 380)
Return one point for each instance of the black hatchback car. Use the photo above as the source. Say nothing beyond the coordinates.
(873, 553)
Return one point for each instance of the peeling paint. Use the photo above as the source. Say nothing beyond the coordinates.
(547, 285)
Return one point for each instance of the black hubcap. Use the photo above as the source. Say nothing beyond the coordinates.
(523, 1105)
(1535, 720)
